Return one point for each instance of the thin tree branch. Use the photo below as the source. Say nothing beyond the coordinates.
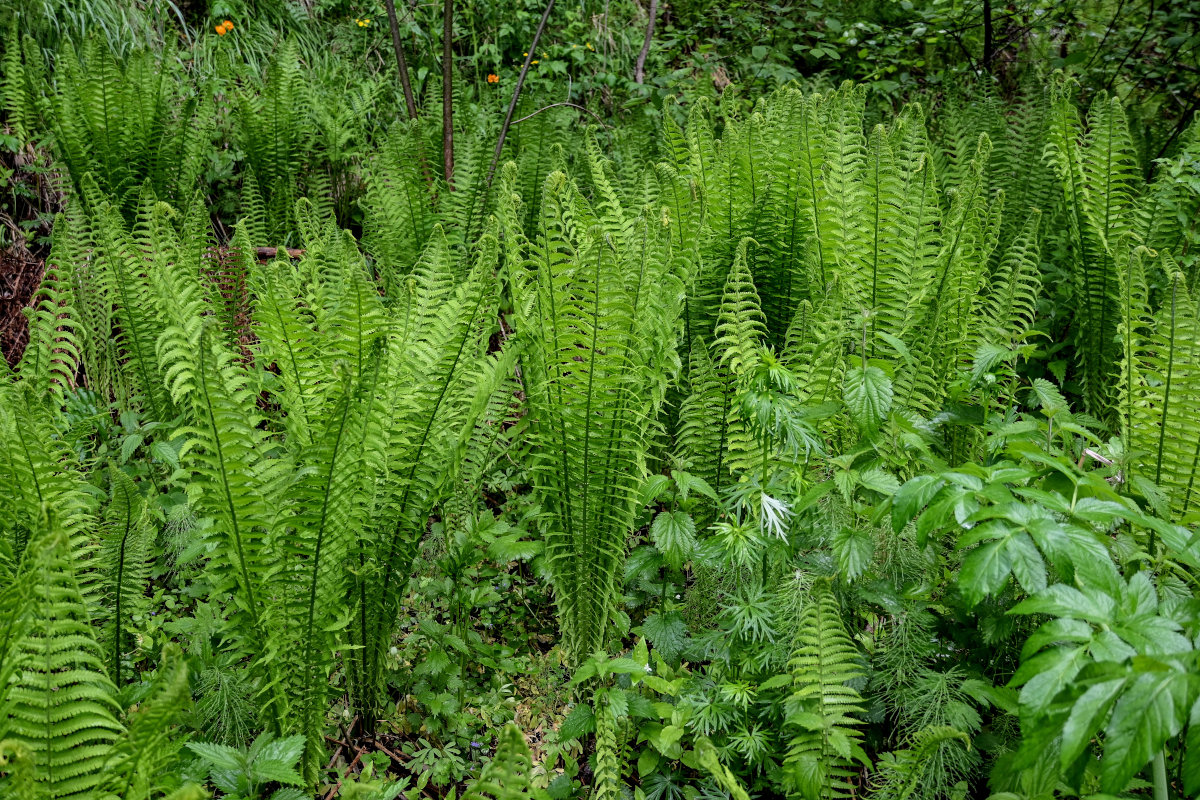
(448, 92)
(401, 62)
(1112, 23)
(639, 71)
(556, 105)
(1136, 45)
(512, 104)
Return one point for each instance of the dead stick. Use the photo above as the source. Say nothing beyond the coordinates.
(270, 252)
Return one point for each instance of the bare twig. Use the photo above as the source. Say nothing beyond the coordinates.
(639, 71)
(401, 62)
(448, 92)
(512, 104)
(555, 105)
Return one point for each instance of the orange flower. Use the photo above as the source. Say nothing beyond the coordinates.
(228, 25)
(493, 78)
(220, 29)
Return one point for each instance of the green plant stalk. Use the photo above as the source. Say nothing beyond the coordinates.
(1159, 767)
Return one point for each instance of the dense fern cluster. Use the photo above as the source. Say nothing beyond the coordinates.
(774, 360)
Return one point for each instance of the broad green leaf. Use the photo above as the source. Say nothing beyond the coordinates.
(1151, 711)
(868, 396)
(854, 548)
(1086, 717)
(674, 534)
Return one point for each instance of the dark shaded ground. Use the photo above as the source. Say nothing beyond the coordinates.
(29, 198)
(20, 276)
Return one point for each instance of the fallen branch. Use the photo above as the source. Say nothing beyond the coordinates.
(265, 253)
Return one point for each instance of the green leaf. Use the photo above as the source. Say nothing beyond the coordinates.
(1191, 758)
(854, 549)
(985, 570)
(868, 396)
(579, 722)
(674, 534)
(1085, 718)
(912, 497)
(1151, 711)
(218, 756)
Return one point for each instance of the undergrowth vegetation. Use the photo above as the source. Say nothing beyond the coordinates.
(779, 443)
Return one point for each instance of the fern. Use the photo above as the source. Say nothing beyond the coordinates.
(588, 303)
(822, 754)
(607, 782)
(123, 563)
(1162, 387)
(1011, 303)
(508, 776)
(61, 704)
(1096, 178)
(439, 325)
(144, 761)
(329, 509)
(51, 359)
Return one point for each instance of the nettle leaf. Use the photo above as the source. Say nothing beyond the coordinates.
(868, 396)
(674, 534)
(581, 721)
(667, 632)
(854, 549)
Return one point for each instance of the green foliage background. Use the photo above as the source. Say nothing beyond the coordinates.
(818, 418)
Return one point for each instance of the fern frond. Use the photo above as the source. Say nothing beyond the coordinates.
(143, 763)
(821, 755)
(508, 776)
(61, 704)
(1163, 369)
(587, 306)
(1010, 306)
(123, 563)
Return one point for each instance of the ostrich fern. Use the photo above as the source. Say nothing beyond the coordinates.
(822, 754)
(595, 309)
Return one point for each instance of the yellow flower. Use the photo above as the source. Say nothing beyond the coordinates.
(589, 46)
(534, 61)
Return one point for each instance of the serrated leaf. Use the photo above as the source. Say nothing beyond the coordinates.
(1150, 711)
(854, 549)
(912, 497)
(868, 396)
(1084, 720)
(674, 534)
(580, 722)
